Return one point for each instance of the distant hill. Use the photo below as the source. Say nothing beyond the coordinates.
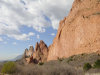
(14, 59)
(17, 58)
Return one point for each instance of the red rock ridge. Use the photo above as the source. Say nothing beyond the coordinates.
(79, 32)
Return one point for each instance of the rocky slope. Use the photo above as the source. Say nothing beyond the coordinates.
(79, 32)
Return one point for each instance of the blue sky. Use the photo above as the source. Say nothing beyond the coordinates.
(25, 22)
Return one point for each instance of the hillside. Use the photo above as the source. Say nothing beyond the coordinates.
(64, 66)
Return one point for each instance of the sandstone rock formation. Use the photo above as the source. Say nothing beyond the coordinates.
(79, 32)
(41, 52)
(29, 52)
(38, 55)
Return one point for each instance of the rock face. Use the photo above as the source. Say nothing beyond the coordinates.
(41, 52)
(79, 32)
(29, 52)
(38, 55)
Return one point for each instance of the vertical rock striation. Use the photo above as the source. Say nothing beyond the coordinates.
(79, 32)
(39, 54)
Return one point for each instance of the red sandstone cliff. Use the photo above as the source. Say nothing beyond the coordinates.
(79, 32)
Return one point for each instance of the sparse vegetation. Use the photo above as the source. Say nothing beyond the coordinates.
(98, 13)
(9, 68)
(87, 66)
(70, 59)
(97, 64)
(60, 59)
(98, 54)
(55, 67)
(40, 63)
(83, 54)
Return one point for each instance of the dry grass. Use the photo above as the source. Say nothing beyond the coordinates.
(73, 67)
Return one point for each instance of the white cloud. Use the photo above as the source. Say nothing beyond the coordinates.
(38, 36)
(14, 43)
(37, 14)
(52, 34)
(22, 36)
(5, 42)
(56, 10)
(1, 39)
(31, 34)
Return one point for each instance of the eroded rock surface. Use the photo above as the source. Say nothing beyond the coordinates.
(39, 54)
(79, 32)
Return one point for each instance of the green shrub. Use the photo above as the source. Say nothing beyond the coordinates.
(70, 59)
(9, 68)
(40, 63)
(98, 54)
(87, 66)
(83, 54)
(60, 59)
(97, 64)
